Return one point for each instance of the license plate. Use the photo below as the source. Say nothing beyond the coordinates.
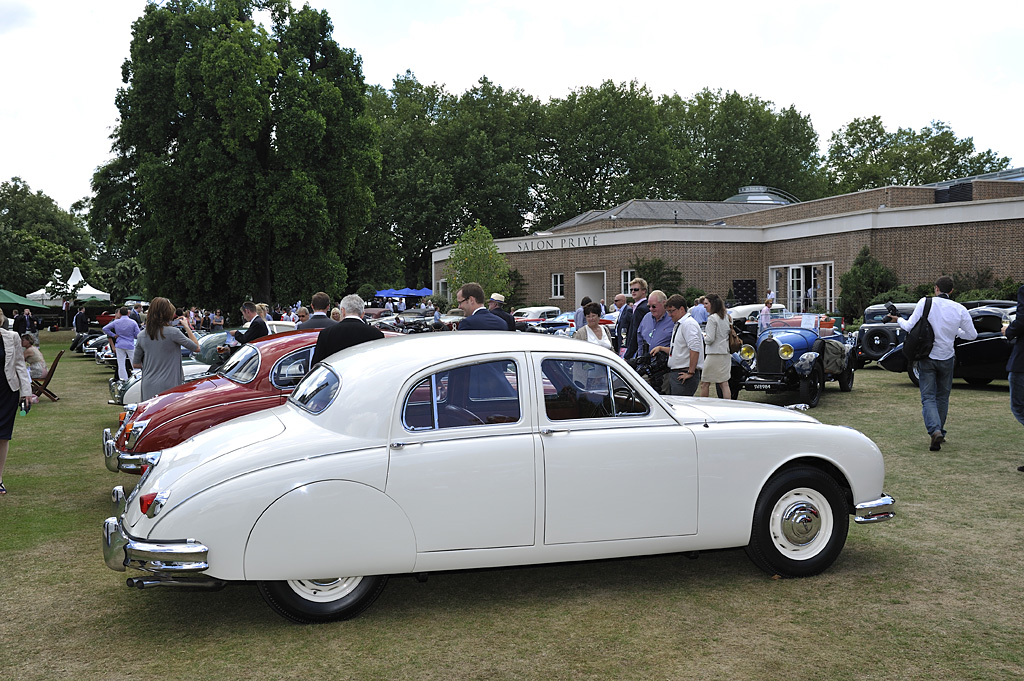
(758, 386)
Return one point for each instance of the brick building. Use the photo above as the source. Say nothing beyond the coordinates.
(800, 250)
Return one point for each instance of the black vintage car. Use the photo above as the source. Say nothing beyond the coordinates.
(876, 337)
(978, 361)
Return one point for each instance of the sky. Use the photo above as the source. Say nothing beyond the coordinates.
(908, 62)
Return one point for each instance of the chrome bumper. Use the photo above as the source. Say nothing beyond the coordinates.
(109, 452)
(879, 510)
(122, 551)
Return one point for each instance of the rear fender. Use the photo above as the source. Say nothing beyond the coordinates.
(330, 528)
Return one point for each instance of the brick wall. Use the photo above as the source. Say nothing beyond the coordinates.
(988, 189)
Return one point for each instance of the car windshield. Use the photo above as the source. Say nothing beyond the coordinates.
(315, 392)
(242, 366)
(208, 348)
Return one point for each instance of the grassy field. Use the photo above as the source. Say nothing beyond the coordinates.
(937, 593)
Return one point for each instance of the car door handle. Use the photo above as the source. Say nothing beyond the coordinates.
(553, 431)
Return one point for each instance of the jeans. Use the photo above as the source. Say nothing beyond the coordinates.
(936, 382)
(1017, 395)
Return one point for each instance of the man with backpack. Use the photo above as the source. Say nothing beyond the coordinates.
(949, 320)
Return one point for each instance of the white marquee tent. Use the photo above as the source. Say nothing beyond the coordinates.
(86, 291)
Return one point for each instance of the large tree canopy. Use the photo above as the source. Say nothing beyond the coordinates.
(864, 155)
(244, 159)
(602, 146)
(449, 162)
(722, 141)
(38, 237)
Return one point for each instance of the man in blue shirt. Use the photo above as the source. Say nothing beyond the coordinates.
(655, 328)
(698, 311)
(122, 331)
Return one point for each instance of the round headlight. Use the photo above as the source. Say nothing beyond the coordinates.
(747, 352)
(786, 351)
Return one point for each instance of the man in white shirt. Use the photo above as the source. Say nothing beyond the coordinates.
(686, 350)
(949, 320)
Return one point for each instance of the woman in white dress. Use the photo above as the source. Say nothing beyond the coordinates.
(717, 358)
(593, 331)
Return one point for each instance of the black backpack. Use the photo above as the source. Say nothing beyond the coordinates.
(920, 339)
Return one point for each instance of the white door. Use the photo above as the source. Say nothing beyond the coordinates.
(462, 461)
(615, 467)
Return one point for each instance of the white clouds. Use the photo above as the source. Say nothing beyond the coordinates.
(909, 62)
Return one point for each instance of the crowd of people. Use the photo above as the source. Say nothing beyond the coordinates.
(683, 349)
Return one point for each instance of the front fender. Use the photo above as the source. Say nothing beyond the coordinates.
(805, 364)
(894, 360)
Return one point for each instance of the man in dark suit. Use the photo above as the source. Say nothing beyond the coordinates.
(494, 305)
(320, 319)
(478, 318)
(351, 330)
(257, 328)
(638, 289)
(622, 321)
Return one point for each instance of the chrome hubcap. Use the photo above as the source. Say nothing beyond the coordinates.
(801, 523)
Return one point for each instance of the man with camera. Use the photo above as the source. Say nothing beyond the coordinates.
(685, 351)
(949, 320)
(655, 330)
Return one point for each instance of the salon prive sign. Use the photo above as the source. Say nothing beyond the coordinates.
(553, 243)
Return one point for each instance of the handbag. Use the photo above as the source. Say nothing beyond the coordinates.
(735, 343)
(920, 339)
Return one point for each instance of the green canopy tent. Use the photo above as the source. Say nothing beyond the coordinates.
(8, 298)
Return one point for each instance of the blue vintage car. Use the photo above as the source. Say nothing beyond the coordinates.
(791, 358)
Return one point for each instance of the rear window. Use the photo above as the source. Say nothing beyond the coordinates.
(317, 390)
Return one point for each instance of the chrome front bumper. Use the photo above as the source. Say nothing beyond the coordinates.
(879, 510)
(122, 551)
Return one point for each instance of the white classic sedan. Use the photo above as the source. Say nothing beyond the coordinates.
(484, 449)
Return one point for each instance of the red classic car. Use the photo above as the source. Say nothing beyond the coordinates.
(259, 375)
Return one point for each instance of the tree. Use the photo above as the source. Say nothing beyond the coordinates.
(600, 147)
(658, 275)
(475, 257)
(449, 162)
(244, 159)
(866, 278)
(863, 155)
(722, 141)
(38, 237)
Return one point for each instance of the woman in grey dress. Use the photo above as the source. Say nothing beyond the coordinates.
(158, 348)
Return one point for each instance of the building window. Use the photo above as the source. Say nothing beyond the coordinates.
(558, 286)
(627, 276)
(442, 288)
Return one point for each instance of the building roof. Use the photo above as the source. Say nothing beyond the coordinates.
(665, 211)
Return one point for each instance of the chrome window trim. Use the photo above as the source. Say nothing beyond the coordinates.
(277, 364)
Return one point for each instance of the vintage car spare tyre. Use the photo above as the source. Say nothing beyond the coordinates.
(308, 601)
(800, 523)
(876, 342)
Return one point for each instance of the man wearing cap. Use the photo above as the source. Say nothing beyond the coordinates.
(494, 305)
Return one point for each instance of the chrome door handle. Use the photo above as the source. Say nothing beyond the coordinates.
(552, 431)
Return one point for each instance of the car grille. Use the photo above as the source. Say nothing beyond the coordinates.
(768, 360)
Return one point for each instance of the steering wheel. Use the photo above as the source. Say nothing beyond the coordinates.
(466, 415)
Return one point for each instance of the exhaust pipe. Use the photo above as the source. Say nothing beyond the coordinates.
(198, 583)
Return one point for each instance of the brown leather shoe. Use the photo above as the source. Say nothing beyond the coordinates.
(937, 440)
